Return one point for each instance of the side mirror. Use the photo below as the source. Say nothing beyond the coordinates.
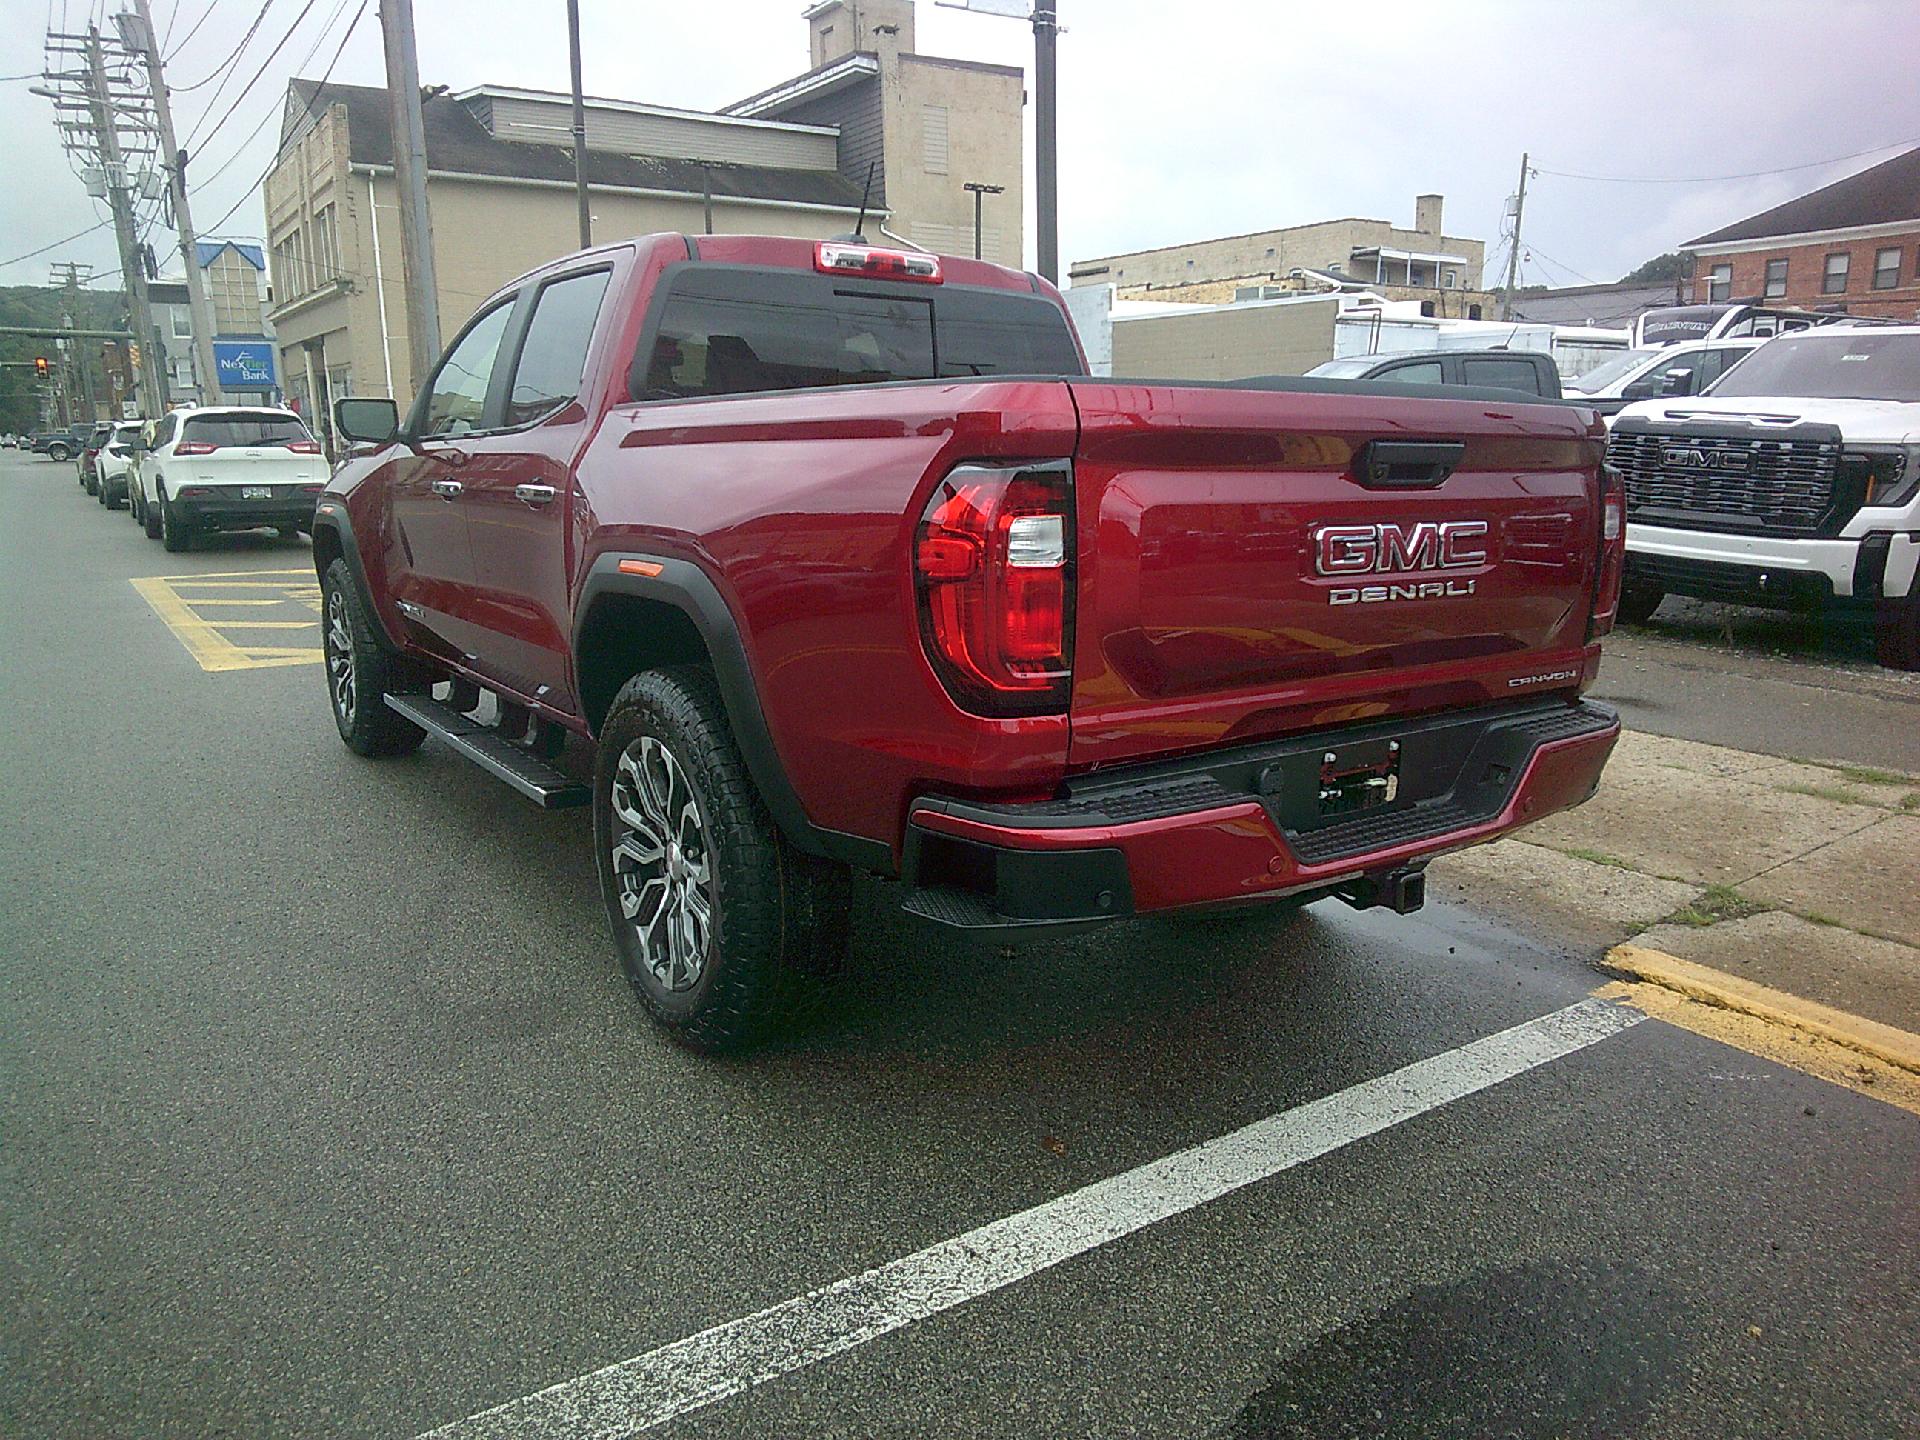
(366, 420)
(1677, 382)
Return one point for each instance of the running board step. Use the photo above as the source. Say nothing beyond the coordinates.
(547, 787)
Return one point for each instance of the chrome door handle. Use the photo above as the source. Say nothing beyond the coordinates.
(448, 489)
(534, 494)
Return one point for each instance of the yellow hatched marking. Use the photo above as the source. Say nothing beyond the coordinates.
(202, 637)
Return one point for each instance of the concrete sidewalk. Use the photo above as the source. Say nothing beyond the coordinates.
(1801, 877)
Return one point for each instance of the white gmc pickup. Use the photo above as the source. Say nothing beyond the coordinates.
(1793, 483)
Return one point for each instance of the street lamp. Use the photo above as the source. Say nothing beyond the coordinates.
(978, 190)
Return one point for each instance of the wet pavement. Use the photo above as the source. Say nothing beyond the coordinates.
(326, 1111)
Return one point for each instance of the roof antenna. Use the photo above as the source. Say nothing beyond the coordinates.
(866, 194)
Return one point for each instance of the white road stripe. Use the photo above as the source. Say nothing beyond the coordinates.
(650, 1389)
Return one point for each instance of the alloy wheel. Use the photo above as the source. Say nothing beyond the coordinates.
(340, 676)
(663, 868)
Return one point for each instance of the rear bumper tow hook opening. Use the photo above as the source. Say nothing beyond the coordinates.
(1401, 891)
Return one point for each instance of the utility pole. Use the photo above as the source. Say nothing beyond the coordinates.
(1046, 141)
(133, 271)
(67, 275)
(136, 33)
(978, 191)
(580, 129)
(410, 179)
(1513, 258)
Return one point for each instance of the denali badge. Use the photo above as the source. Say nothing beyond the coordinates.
(1395, 549)
(1700, 457)
(1415, 590)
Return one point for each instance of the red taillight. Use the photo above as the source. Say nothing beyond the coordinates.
(189, 492)
(993, 568)
(1613, 552)
(876, 264)
(303, 447)
(194, 447)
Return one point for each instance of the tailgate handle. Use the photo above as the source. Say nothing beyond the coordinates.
(1406, 464)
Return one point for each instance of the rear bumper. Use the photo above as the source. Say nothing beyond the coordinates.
(221, 510)
(1243, 824)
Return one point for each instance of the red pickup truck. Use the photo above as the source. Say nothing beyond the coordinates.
(836, 557)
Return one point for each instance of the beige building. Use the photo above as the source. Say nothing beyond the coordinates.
(500, 189)
(1422, 263)
(793, 160)
(923, 126)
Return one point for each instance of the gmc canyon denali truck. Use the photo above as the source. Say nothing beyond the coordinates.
(838, 558)
(1793, 483)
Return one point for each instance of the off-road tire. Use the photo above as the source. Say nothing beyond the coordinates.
(150, 518)
(365, 722)
(1638, 600)
(61, 452)
(779, 918)
(173, 534)
(1896, 633)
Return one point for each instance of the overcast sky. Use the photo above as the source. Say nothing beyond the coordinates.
(1178, 120)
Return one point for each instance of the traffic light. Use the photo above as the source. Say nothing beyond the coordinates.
(40, 365)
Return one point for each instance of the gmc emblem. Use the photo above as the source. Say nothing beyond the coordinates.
(1397, 549)
(1699, 457)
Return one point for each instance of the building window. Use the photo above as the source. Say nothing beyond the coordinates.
(1449, 279)
(933, 138)
(1833, 281)
(1473, 312)
(1720, 283)
(325, 246)
(1886, 269)
(1270, 252)
(1776, 279)
(182, 323)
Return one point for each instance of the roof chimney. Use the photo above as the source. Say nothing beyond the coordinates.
(1426, 214)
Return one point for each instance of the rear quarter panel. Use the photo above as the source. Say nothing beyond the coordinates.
(801, 506)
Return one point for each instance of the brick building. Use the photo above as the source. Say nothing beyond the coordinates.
(1853, 245)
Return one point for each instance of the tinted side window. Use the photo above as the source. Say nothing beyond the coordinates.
(458, 400)
(1426, 372)
(554, 353)
(1507, 374)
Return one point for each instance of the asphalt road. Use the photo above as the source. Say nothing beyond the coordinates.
(325, 1111)
(1782, 684)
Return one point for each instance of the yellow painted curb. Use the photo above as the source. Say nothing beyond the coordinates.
(1898, 1048)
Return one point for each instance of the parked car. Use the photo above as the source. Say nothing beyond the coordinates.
(113, 465)
(88, 461)
(1795, 483)
(1528, 370)
(61, 444)
(1686, 367)
(1731, 320)
(211, 468)
(837, 557)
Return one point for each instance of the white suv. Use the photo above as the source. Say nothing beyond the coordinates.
(1686, 368)
(1795, 483)
(227, 468)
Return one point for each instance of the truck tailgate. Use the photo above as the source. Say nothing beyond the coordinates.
(1243, 571)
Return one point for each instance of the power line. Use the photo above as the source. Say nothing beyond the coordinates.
(313, 49)
(305, 10)
(212, 5)
(284, 150)
(232, 55)
(78, 234)
(1710, 179)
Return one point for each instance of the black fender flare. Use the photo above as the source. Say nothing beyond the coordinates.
(330, 516)
(688, 588)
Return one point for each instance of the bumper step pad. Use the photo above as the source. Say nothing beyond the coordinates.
(546, 786)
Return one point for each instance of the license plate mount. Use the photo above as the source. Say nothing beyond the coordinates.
(1359, 777)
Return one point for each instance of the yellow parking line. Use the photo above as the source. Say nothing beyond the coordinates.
(211, 650)
(200, 577)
